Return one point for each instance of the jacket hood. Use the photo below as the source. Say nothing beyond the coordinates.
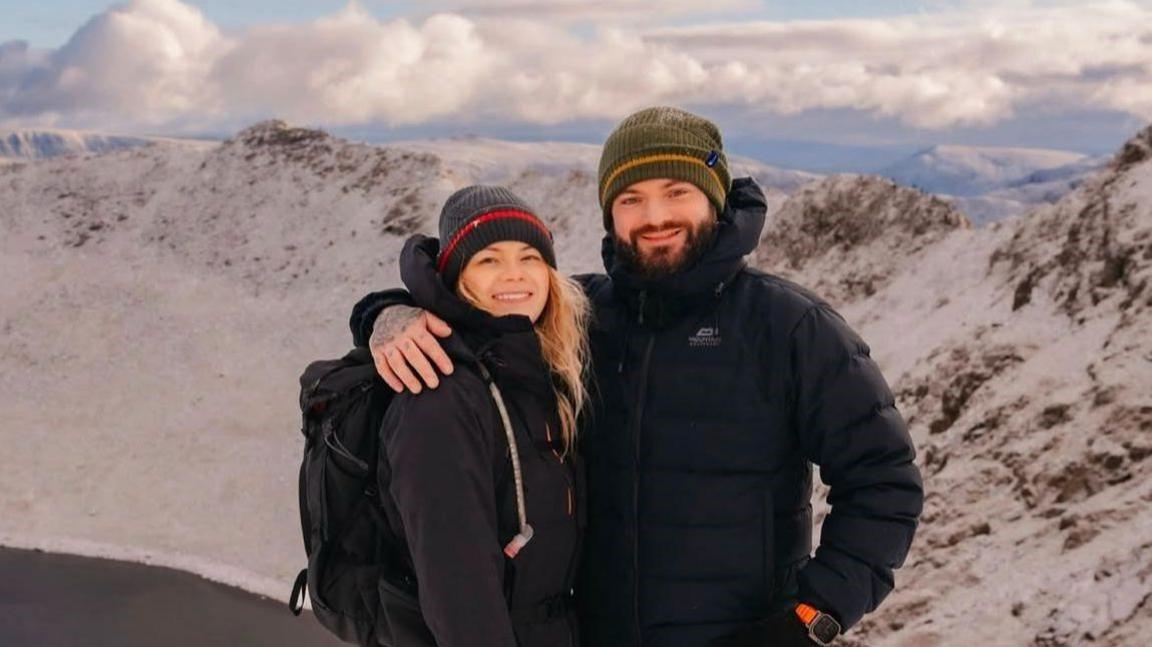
(737, 235)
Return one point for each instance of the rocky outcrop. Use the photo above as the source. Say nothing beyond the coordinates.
(1094, 247)
(847, 235)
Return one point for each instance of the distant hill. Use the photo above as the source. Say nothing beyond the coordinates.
(971, 170)
(989, 183)
(38, 144)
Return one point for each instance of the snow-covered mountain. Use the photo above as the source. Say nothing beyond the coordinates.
(45, 143)
(160, 302)
(989, 183)
(972, 170)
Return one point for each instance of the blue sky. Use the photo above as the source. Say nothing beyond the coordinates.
(50, 24)
(890, 75)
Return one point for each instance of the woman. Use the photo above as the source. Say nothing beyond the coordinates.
(481, 474)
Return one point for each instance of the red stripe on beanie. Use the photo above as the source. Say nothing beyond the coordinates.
(514, 214)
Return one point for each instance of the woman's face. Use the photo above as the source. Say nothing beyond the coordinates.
(507, 278)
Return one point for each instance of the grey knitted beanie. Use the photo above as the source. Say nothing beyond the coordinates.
(477, 216)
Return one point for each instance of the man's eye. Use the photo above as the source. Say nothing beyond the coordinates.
(486, 261)
(627, 201)
(676, 193)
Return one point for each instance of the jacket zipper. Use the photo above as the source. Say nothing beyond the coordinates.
(570, 492)
(637, 424)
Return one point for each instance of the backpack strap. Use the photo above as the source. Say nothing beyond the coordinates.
(299, 588)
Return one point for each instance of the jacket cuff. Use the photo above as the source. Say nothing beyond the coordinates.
(841, 607)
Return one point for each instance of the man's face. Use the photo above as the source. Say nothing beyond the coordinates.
(662, 226)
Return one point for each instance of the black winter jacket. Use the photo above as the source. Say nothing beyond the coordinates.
(716, 390)
(452, 494)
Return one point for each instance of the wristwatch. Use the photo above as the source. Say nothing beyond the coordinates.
(822, 628)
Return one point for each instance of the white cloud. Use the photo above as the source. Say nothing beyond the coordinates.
(351, 68)
(161, 64)
(149, 59)
(938, 70)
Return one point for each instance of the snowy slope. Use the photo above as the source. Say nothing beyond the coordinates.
(159, 303)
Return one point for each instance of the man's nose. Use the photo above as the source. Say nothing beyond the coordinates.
(656, 213)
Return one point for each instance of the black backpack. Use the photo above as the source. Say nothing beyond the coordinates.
(358, 577)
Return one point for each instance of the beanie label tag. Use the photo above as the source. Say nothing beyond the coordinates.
(713, 157)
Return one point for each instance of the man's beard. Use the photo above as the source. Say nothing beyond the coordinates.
(661, 262)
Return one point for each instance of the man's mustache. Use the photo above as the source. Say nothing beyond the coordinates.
(655, 229)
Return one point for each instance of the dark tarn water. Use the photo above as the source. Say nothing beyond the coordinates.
(49, 600)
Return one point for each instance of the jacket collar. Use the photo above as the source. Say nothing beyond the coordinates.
(737, 234)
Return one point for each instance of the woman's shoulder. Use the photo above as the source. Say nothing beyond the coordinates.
(460, 396)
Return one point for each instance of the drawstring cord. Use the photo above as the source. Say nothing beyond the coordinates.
(525, 535)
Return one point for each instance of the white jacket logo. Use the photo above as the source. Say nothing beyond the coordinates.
(706, 336)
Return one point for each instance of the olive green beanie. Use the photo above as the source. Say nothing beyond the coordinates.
(663, 142)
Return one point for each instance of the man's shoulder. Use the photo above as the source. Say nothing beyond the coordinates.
(780, 296)
(594, 284)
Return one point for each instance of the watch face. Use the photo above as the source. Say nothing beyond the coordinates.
(825, 628)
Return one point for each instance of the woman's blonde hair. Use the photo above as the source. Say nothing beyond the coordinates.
(563, 332)
(562, 328)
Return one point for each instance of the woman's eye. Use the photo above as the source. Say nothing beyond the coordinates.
(532, 257)
(486, 261)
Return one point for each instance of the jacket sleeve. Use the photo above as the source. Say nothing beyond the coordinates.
(443, 482)
(366, 310)
(848, 424)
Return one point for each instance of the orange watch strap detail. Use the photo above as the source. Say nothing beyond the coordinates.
(806, 613)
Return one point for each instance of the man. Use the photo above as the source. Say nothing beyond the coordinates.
(716, 387)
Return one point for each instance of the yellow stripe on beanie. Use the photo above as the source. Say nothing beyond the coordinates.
(653, 159)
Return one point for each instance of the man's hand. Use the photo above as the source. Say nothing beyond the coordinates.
(404, 339)
(782, 629)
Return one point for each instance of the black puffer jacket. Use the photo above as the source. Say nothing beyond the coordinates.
(716, 390)
(452, 493)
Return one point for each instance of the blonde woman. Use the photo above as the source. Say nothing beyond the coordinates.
(482, 478)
